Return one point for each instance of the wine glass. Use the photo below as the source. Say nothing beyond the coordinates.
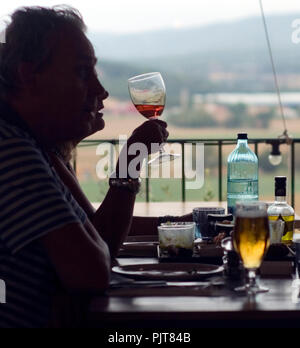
(148, 94)
(251, 239)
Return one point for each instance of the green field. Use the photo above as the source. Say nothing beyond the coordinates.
(170, 190)
(163, 190)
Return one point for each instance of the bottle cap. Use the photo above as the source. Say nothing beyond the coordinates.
(224, 228)
(219, 217)
(243, 136)
(280, 186)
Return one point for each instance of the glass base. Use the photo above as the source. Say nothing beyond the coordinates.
(163, 158)
(251, 289)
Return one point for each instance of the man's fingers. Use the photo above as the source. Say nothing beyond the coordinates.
(161, 123)
(150, 132)
(165, 134)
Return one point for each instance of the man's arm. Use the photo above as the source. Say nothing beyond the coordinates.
(103, 219)
(80, 257)
(143, 226)
(113, 219)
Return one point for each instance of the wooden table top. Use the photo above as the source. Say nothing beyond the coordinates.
(169, 208)
(279, 307)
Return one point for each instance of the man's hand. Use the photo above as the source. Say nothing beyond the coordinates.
(145, 140)
(150, 132)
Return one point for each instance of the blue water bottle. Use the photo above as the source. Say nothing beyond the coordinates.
(242, 174)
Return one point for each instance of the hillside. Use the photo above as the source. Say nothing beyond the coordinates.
(246, 34)
(227, 56)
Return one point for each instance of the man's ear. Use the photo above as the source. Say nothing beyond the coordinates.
(27, 76)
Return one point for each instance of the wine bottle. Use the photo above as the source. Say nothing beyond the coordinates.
(280, 209)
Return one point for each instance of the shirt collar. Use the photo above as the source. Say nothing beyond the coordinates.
(10, 116)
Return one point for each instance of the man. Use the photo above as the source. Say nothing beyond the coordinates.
(50, 93)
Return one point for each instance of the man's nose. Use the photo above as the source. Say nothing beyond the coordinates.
(101, 91)
(105, 94)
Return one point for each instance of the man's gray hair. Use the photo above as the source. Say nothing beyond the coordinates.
(27, 39)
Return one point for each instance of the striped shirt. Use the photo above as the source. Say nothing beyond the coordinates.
(33, 202)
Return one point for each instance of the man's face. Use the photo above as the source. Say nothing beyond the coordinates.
(68, 92)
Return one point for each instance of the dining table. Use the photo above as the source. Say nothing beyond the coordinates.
(280, 307)
(210, 302)
(152, 209)
(207, 302)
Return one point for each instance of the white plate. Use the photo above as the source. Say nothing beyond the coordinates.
(168, 271)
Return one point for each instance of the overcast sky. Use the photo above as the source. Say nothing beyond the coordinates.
(139, 15)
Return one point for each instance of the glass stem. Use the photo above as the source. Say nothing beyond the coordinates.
(162, 149)
(251, 279)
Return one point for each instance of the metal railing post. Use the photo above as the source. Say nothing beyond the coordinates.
(220, 176)
(148, 173)
(74, 159)
(183, 196)
(256, 148)
(293, 174)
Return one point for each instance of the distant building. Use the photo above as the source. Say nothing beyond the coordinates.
(184, 98)
(252, 99)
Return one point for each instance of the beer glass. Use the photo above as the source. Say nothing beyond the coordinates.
(251, 239)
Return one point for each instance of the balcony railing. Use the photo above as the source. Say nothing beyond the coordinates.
(219, 144)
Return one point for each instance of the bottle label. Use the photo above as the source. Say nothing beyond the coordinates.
(288, 226)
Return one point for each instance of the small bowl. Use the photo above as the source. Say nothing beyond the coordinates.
(176, 239)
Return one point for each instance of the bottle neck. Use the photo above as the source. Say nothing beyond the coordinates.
(242, 142)
(280, 199)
